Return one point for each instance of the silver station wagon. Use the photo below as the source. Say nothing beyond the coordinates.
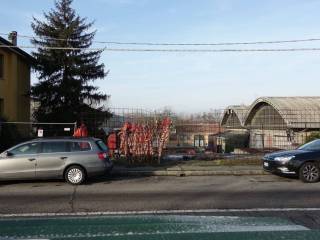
(72, 159)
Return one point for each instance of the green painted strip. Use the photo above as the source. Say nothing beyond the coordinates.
(139, 227)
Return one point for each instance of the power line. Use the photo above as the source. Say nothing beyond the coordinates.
(170, 50)
(211, 50)
(54, 48)
(212, 44)
(174, 44)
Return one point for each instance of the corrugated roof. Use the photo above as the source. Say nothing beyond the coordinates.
(297, 112)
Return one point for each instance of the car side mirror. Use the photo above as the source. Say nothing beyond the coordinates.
(9, 154)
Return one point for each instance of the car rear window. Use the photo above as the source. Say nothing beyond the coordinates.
(101, 145)
(80, 146)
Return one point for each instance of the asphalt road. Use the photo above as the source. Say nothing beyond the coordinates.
(168, 193)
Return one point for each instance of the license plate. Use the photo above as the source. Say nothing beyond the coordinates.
(266, 164)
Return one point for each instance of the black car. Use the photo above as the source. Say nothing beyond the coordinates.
(303, 162)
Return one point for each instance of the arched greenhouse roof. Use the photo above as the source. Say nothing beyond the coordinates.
(234, 116)
(296, 112)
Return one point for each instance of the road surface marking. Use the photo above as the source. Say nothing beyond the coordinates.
(151, 212)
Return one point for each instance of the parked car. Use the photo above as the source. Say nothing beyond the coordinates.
(303, 162)
(72, 159)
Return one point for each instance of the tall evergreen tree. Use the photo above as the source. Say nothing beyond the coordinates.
(65, 88)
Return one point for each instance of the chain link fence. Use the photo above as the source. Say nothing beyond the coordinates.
(237, 132)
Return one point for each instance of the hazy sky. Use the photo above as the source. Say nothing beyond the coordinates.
(193, 82)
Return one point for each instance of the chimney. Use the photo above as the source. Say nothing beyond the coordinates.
(13, 37)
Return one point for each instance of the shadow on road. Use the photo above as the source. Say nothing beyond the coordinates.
(37, 183)
(110, 179)
(57, 182)
(107, 180)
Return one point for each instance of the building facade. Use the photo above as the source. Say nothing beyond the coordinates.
(15, 67)
(202, 135)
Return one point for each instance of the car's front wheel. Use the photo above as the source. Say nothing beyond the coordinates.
(309, 172)
(75, 175)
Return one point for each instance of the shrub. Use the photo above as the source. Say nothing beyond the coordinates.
(9, 135)
(313, 136)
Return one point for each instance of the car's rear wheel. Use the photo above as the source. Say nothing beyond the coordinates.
(309, 172)
(75, 175)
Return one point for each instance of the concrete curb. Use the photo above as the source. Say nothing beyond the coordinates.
(181, 173)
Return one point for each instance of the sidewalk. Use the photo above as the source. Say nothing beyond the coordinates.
(190, 170)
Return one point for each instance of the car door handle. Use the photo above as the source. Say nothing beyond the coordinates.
(31, 159)
(63, 158)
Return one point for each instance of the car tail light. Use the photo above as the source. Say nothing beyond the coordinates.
(103, 155)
